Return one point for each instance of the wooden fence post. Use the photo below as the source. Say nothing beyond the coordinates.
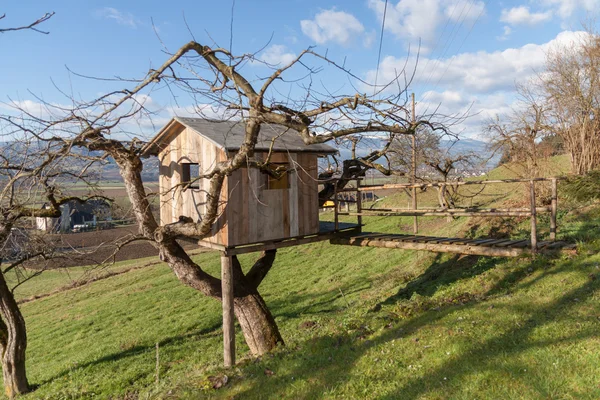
(228, 314)
(335, 207)
(358, 203)
(533, 217)
(554, 209)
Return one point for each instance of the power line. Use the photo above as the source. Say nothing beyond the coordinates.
(459, 47)
(450, 39)
(380, 45)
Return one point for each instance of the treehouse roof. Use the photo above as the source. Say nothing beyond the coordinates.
(229, 135)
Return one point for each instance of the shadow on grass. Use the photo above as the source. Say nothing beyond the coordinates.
(137, 350)
(336, 356)
(441, 273)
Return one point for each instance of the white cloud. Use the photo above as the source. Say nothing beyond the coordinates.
(277, 55)
(565, 8)
(479, 82)
(420, 19)
(522, 16)
(333, 26)
(122, 18)
(479, 72)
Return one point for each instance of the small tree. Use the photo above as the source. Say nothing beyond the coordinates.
(517, 135)
(33, 176)
(572, 86)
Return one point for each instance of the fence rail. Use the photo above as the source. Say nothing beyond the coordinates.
(530, 212)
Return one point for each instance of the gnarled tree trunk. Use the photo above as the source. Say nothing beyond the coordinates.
(256, 321)
(13, 343)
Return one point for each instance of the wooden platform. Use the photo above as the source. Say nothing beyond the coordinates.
(327, 231)
(481, 247)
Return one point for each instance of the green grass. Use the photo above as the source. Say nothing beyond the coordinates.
(358, 323)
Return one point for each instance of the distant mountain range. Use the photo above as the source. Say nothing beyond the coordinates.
(150, 172)
(456, 147)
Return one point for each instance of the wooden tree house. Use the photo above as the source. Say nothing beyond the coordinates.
(256, 208)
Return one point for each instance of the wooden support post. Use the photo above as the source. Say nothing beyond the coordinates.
(554, 209)
(228, 314)
(533, 218)
(414, 169)
(358, 203)
(335, 207)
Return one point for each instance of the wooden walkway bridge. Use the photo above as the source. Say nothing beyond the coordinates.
(494, 247)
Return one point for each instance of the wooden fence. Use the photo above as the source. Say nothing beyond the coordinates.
(532, 211)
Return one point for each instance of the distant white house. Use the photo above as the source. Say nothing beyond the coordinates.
(76, 216)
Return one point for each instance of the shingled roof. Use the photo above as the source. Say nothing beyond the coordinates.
(229, 135)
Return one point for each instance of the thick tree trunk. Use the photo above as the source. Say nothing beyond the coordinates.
(13, 343)
(256, 321)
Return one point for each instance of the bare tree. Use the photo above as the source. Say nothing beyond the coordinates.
(214, 77)
(31, 26)
(572, 86)
(33, 177)
(434, 162)
(517, 135)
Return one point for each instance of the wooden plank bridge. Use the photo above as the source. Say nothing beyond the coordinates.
(494, 247)
(479, 247)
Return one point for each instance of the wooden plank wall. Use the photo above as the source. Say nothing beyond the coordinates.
(186, 146)
(257, 214)
(249, 212)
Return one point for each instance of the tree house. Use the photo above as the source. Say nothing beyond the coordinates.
(256, 207)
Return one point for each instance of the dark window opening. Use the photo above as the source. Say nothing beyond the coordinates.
(189, 175)
(282, 180)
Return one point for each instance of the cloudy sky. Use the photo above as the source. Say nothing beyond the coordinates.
(470, 53)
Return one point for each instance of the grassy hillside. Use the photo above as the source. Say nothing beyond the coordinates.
(358, 323)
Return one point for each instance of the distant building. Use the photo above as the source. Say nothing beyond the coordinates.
(77, 216)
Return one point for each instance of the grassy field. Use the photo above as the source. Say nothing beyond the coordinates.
(358, 323)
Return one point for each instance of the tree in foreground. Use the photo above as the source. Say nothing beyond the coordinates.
(215, 79)
(33, 176)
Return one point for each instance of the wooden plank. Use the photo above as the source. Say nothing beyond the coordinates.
(520, 244)
(439, 248)
(482, 242)
(407, 237)
(554, 209)
(228, 313)
(285, 212)
(452, 240)
(534, 238)
(373, 213)
(509, 243)
(453, 183)
(293, 198)
(272, 245)
(495, 242)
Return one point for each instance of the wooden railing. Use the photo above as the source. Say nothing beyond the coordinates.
(532, 211)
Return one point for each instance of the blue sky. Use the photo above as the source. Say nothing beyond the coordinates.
(472, 51)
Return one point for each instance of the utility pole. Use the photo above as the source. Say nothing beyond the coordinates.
(414, 167)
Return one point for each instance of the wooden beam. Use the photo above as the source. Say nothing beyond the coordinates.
(374, 213)
(460, 183)
(539, 210)
(232, 251)
(438, 248)
(554, 209)
(533, 217)
(228, 314)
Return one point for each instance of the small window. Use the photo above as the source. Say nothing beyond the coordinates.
(189, 175)
(282, 182)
